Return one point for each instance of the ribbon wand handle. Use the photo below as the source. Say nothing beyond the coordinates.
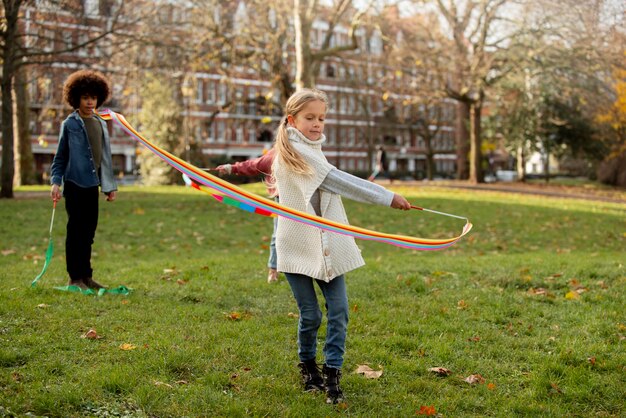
(439, 213)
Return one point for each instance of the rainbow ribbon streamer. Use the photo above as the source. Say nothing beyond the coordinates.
(258, 204)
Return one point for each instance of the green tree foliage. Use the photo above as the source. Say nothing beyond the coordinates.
(161, 122)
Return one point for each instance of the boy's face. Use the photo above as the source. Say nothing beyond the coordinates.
(88, 104)
(310, 120)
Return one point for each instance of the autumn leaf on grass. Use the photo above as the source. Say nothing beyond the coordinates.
(91, 335)
(236, 316)
(43, 306)
(292, 315)
(592, 360)
(474, 379)
(440, 371)
(572, 295)
(461, 304)
(167, 385)
(491, 386)
(426, 410)
(368, 372)
(554, 388)
(127, 347)
(8, 252)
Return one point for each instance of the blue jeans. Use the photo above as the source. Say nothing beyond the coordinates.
(271, 262)
(311, 317)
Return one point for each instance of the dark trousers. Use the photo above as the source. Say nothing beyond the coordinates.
(81, 205)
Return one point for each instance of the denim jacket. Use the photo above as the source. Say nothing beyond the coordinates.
(74, 159)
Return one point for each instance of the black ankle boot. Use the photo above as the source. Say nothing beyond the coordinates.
(331, 381)
(311, 376)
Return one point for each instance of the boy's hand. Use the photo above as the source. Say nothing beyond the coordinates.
(400, 202)
(55, 193)
(111, 196)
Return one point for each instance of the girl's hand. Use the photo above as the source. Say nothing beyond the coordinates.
(224, 169)
(55, 193)
(400, 202)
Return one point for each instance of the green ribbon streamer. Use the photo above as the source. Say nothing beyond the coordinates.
(120, 290)
(49, 251)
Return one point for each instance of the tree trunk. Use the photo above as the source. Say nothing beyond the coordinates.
(521, 162)
(304, 75)
(24, 160)
(462, 140)
(476, 172)
(11, 10)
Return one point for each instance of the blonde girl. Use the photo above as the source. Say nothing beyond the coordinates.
(306, 181)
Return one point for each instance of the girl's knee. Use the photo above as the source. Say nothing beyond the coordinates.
(311, 316)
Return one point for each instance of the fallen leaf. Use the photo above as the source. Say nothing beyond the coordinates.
(555, 388)
(592, 360)
(182, 282)
(91, 335)
(537, 291)
(441, 371)
(234, 316)
(181, 382)
(474, 379)
(8, 252)
(572, 295)
(461, 304)
(292, 315)
(368, 372)
(426, 410)
(474, 339)
(127, 347)
(491, 386)
(355, 308)
(167, 385)
(125, 302)
(139, 211)
(43, 306)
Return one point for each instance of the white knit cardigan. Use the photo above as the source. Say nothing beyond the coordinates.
(305, 249)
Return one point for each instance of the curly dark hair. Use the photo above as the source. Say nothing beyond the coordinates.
(84, 82)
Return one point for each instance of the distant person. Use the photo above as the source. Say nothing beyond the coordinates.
(381, 163)
(310, 256)
(82, 165)
(251, 168)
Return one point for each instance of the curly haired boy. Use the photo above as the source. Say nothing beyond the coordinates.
(82, 164)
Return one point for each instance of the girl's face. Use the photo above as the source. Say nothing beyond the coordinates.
(87, 105)
(310, 120)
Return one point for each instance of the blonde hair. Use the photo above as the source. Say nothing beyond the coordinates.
(284, 150)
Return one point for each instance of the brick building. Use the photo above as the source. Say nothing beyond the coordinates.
(357, 122)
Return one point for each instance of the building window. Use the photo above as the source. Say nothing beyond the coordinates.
(199, 91)
(330, 71)
(210, 93)
(91, 7)
(221, 131)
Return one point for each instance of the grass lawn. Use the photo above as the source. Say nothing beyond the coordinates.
(533, 300)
